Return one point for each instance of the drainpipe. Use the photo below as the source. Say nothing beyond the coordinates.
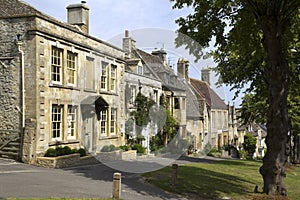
(19, 44)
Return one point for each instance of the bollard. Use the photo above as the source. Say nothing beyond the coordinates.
(174, 174)
(117, 185)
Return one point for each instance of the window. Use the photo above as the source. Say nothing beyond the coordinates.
(156, 96)
(140, 70)
(56, 122)
(103, 122)
(71, 120)
(71, 68)
(132, 94)
(113, 70)
(103, 77)
(175, 81)
(56, 65)
(113, 119)
(177, 103)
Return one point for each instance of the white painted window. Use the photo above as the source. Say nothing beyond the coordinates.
(56, 122)
(71, 68)
(56, 65)
(113, 121)
(71, 122)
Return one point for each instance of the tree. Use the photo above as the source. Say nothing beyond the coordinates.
(249, 144)
(253, 43)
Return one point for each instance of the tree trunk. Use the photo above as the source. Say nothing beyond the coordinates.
(273, 169)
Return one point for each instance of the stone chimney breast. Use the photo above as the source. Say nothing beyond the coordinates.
(205, 75)
(78, 14)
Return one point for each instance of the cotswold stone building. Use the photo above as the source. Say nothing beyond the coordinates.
(59, 85)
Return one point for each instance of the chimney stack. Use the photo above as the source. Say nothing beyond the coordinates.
(78, 14)
(128, 44)
(205, 75)
(183, 68)
(162, 54)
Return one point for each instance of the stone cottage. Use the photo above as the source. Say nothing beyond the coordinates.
(216, 120)
(59, 85)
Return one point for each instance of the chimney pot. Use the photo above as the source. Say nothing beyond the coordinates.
(126, 33)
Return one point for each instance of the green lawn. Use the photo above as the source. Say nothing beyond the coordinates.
(235, 179)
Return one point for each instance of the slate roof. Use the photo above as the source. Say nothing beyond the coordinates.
(156, 65)
(16, 8)
(192, 104)
(211, 97)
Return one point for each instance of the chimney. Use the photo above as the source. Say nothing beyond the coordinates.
(128, 44)
(205, 75)
(183, 68)
(162, 54)
(78, 14)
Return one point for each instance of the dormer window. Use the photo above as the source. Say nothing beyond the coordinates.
(140, 70)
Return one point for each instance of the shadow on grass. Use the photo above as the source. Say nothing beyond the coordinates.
(196, 183)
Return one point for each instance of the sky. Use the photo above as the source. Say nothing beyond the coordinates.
(150, 22)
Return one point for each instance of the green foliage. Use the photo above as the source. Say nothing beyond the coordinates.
(249, 144)
(108, 148)
(243, 154)
(143, 105)
(139, 148)
(124, 147)
(51, 152)
(61, 151)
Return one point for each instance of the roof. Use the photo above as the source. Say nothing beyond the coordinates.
(156, 66)
(15, 8)
(192, 103)
(211, 97)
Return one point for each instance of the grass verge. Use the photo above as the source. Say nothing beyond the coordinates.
(234, 179)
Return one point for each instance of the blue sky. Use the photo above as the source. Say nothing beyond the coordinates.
(150, 22)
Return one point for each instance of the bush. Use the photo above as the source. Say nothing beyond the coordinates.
(139, 148)
(82, 152)
(108, 148)
(67, 150)
(124, 147)
(60, 151)
(243, 154)
(50, 153)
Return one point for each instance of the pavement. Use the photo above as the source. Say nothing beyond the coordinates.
(89, 181)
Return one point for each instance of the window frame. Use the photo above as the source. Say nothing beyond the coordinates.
(72, 123)
(113, 77)
(57, 132)
(103, 122)
(113, 121)
(57, 64)
(72, 68)
(103, 76)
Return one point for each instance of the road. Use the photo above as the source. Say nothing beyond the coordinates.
(89, 181)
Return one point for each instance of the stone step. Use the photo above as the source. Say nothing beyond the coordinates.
(11, 149)
(8, 153)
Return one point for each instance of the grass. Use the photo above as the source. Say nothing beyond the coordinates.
(235, 179)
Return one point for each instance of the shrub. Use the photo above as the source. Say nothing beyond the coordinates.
(50, 153)
(67, 150)
(108, 148)
(243, 154)
(124, 147)
(82, 152)
(139, 148)
(59, 151)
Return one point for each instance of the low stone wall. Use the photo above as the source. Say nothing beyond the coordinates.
(58, 162)
(116, 155)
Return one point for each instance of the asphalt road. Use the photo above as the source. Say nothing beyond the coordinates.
(90, 181)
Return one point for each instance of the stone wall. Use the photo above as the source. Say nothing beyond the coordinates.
(10, 103)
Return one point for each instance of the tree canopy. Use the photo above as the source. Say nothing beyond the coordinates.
(256, 42)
